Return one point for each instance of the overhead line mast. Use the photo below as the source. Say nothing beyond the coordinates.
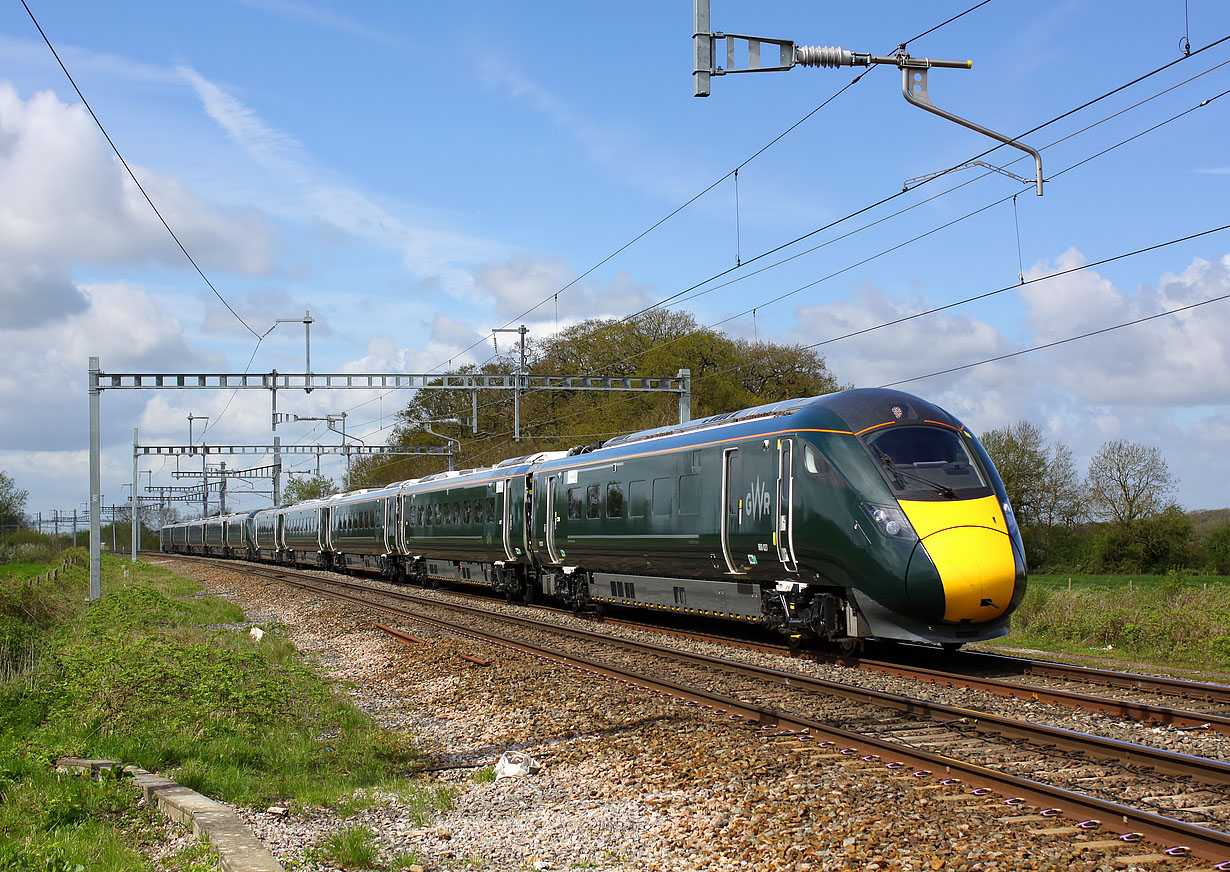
(789, 55)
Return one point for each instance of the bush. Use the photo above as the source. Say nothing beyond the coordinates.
(1176, 620)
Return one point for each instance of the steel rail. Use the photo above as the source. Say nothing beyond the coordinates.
(1173, 763)
(1162, 684)
(1183, 837)
(1145, 712)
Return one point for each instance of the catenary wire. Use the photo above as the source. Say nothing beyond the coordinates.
(1057, 342)
(1048, 277)
(555, 294)
(680, 294)
(133, 175)
(1118, 89)
(735, 171)
(967, 215)
(1005, 199)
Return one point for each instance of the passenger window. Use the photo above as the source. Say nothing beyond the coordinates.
(638, 499)
(662, 488)
(467, 509)
(574, 503)
(593, 508)
(490, 510)
(615, 500)
(689, 494)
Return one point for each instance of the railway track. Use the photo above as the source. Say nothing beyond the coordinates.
(1148, 699)
(1180, 801)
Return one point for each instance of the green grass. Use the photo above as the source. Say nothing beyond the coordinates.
(1120, 582)
(140, 676)
(60, 823)
(1175, 619)
(22, 571)
(350, 848)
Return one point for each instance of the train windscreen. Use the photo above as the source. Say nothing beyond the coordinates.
(932, 459)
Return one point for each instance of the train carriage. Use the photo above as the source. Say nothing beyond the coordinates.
(266, 535)
(854, 515)
(239, 535)
(303, 528)
(361, 530)
(215, 536)
(195, 536)
(471, 526)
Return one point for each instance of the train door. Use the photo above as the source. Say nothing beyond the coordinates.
(783, 536)
(749, 489)
(324, 537)
(402, 513)
(388, 529)
(527, 516)
(551, 519)
(503, 494)
(730, 502)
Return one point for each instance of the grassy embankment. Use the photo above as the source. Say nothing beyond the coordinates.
(1177, 619)
(140, 676)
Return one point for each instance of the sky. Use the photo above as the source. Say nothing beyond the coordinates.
(418, 174)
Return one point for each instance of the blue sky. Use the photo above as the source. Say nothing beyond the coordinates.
(416, 174)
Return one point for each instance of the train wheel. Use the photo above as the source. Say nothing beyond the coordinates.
(951, 647)
(851, 647)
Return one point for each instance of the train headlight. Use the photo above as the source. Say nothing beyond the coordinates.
(891, 521)
(1010, 517)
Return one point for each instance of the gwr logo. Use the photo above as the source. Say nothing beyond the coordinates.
(757, 503)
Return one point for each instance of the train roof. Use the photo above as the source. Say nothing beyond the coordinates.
(858, 408)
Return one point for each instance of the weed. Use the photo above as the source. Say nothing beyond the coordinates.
(1172, 618)
(484, 775)
(352, 848)
(138, 675)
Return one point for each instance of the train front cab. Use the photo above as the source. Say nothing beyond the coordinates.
(934, 552)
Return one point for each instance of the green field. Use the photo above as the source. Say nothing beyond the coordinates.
(1119, 582)
(162, 676)
(1176, 619)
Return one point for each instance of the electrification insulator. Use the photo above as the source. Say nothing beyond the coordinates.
(823, 56)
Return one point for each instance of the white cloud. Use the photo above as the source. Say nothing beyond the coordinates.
(327, 19)
(522, 282)
(45, 379)
(438, 256)
(31, 294)
(913, 348)
(1176, 360)
(68, 200)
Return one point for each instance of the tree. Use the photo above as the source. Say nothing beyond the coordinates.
(1019, 453)
(1217, 545)
(1062, 496)
(1042, 486)
(1128, 481)
(727, 374)
(313, 488)
(12, 502)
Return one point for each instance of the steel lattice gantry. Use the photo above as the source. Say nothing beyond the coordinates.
(99, 381)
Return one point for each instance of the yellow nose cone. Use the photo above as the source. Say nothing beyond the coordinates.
(968, 542)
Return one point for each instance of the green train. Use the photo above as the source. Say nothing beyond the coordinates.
(862, 514)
